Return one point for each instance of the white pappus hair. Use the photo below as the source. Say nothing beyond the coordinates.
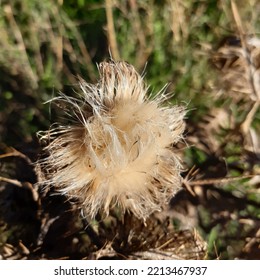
(118, 150)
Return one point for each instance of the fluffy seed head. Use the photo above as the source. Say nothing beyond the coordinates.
(118, 150)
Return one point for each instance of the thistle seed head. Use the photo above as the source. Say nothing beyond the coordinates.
(118, 150)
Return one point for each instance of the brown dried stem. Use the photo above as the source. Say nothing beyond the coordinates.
(215, 181)
(19, 37)
(251, 70)
(11, 181)
(111, 30)
(15, 153)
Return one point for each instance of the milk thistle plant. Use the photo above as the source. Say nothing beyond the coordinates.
(117, 151)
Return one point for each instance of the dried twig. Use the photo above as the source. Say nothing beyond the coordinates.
(20, 184)
(111, 31)
(215, 181)
(19, 37)
(15, 153)
(11, 181)
(250, 117)
(247, 53)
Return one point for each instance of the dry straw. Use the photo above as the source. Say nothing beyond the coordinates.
(118, 150)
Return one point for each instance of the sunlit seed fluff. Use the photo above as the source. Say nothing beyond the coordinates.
(118, 151)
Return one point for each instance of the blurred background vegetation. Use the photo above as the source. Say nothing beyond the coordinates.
(196, 47)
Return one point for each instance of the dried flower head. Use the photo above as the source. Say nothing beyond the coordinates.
(119, 150)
